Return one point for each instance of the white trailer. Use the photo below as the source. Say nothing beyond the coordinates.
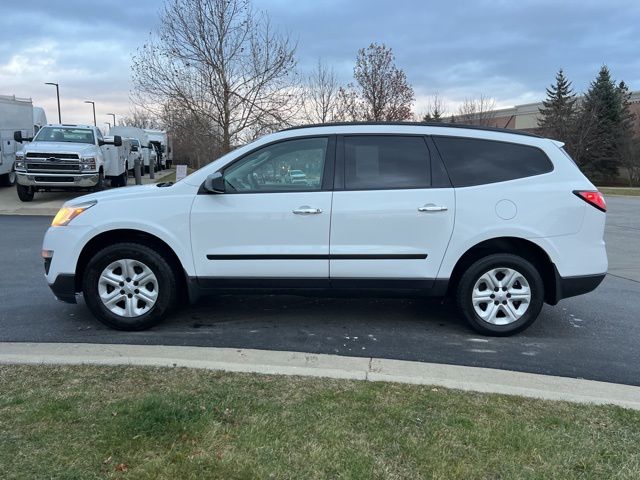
(146, 147)
(16, 114)
(39, 119)
(116, 158)
(160, 140)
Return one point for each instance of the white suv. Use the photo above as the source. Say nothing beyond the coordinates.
(500, 221)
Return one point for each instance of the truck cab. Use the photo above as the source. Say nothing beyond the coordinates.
(62, 157)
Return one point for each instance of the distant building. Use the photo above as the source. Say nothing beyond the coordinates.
(525, 117)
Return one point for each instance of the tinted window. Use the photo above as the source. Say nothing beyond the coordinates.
(471, 161)
(385, 162)
(293, 165)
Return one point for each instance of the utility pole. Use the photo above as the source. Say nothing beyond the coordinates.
(58, 97)
(95, 124)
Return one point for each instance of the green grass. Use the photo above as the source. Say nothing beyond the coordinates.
(131, 422)
(620, 191)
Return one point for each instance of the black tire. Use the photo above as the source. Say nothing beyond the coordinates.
(120, 180)
(473, 274)
(25, 193)
(166, 278)
(8, 179)
(100, 185)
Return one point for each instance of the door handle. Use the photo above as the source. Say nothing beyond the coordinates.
(306, 210)
(430, 207)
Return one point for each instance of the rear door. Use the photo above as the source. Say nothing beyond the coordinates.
(393, 211)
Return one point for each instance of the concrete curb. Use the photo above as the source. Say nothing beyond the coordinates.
(331, 366)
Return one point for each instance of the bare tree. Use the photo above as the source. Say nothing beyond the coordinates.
(223, 63)
(381, 91)
(480, 111)
(321, 95)
(195, 141)
(435, 110)
(140, 118)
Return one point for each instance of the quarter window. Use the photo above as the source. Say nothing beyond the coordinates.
(386, 162)
(294, 165)
(471, 161)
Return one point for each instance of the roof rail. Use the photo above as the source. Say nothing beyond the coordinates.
(417, 124)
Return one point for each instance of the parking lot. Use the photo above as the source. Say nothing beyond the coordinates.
(595, 336)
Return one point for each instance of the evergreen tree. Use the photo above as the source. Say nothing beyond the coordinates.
(628, 150)
(559, 110)
(602, 116)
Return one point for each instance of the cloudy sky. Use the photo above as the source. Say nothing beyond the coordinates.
(505, 49)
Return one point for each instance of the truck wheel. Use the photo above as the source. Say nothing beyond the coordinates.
(8, 179)
(100, 185)
(25, 193)
(119, 181)
(129, 286)
(500, 294)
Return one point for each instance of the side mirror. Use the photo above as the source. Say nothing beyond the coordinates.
(215, 183)
(117, 140)
(17, 136)
(134, 148)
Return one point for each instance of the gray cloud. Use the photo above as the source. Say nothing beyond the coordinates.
(505, 49)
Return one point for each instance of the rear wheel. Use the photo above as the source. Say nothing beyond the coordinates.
(25, 193)
(129, 286)
(8, 179)
(500, 294)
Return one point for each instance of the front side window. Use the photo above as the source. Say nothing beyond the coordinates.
(386, 162)
(62, 134)
(293, 165)
(472, 161)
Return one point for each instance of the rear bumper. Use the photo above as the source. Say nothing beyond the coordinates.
(572, 286)
(64, 288)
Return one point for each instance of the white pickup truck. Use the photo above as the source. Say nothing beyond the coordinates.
(65, 157)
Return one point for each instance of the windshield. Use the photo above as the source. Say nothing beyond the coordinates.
(62, 134)
(135, 142)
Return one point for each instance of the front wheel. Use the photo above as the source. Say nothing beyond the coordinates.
(129, 286)
(25, 193)
(100, 185)
(500, 294)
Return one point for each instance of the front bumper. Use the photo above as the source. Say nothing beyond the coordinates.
(64, 288)
(53, 180)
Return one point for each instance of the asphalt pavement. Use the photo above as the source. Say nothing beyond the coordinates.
(595, 336)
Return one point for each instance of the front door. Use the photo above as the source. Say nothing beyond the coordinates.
(273, 220)
(387, 219)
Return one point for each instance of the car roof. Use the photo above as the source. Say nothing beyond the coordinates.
(416, 124)
(408, 128)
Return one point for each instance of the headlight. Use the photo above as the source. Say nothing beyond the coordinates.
(66, 214)
(88, 163)
(19, 161)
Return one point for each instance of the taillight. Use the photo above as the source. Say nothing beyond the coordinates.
(592, 197)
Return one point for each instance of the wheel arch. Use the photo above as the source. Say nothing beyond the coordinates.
(527, 249)
(111, 237)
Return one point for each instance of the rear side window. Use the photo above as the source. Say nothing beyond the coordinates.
(386, 162)
(472, 161)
